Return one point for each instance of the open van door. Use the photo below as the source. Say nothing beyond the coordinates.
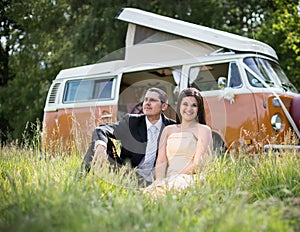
(135, 82)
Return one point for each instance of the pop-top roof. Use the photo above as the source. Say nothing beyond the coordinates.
(196, 32)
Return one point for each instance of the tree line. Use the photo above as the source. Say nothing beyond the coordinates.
(39, 38)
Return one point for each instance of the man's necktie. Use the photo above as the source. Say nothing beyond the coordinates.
(151, 148)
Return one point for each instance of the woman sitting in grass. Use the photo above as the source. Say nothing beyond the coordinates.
(184, 146)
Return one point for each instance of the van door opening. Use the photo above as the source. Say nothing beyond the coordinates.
(135, 84)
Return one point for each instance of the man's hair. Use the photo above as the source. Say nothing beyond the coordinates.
(163, 97)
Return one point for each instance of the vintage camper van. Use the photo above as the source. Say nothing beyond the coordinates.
(248, 98)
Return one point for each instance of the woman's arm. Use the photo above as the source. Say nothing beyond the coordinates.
(161, 161)
(204, 144)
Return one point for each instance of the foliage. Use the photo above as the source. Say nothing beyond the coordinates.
(39, 38)
(44, 194)
(245, 17)
(282, 32)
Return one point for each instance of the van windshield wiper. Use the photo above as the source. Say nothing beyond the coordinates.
(287, 86)
(270, 83)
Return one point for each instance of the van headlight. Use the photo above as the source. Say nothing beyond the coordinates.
(276, 122)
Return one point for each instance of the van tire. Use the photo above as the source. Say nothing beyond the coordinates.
(294, 110)
(219, 147)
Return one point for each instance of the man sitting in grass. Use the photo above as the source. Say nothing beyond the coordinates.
(138, 134)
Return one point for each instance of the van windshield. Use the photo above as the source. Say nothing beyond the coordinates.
(270, 72)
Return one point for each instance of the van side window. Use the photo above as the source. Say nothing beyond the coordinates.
(102, 89)
(235, 80)
(253, 81)
(86, 90)
(206, 77)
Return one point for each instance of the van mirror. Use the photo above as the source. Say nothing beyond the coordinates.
(222, 82)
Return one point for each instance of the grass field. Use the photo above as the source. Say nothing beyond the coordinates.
(257, 193)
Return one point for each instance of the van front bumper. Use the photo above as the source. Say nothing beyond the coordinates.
(279, 148)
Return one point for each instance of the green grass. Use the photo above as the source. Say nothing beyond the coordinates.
(260, 193)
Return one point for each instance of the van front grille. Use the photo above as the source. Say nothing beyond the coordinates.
(53, 93)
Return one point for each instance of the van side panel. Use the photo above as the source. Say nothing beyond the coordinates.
(241, 121)
(50, 131)
(72, 128)
(233, 120)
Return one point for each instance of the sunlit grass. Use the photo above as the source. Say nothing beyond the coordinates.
(37, 193)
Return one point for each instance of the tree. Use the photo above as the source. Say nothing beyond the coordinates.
(282, 31)
(29, 28)
(245, 17)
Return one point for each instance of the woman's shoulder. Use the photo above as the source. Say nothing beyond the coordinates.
(171, 128)
(203, 127)
(203, 131)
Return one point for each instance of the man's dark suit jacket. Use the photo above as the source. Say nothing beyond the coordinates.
(131, 131)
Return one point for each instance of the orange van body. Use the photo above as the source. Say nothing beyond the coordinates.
(71, 129)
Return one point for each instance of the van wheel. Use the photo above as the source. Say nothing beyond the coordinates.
(294, 110)
(219, 147)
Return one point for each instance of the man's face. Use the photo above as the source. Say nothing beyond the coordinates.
(152, 105)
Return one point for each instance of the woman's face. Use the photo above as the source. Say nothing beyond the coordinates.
(188, 108)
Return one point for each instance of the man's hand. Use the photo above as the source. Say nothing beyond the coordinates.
(100, 157)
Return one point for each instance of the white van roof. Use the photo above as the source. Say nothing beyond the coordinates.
(90, 70)
(195, 32)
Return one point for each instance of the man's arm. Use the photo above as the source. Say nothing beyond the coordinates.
(103, 135)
